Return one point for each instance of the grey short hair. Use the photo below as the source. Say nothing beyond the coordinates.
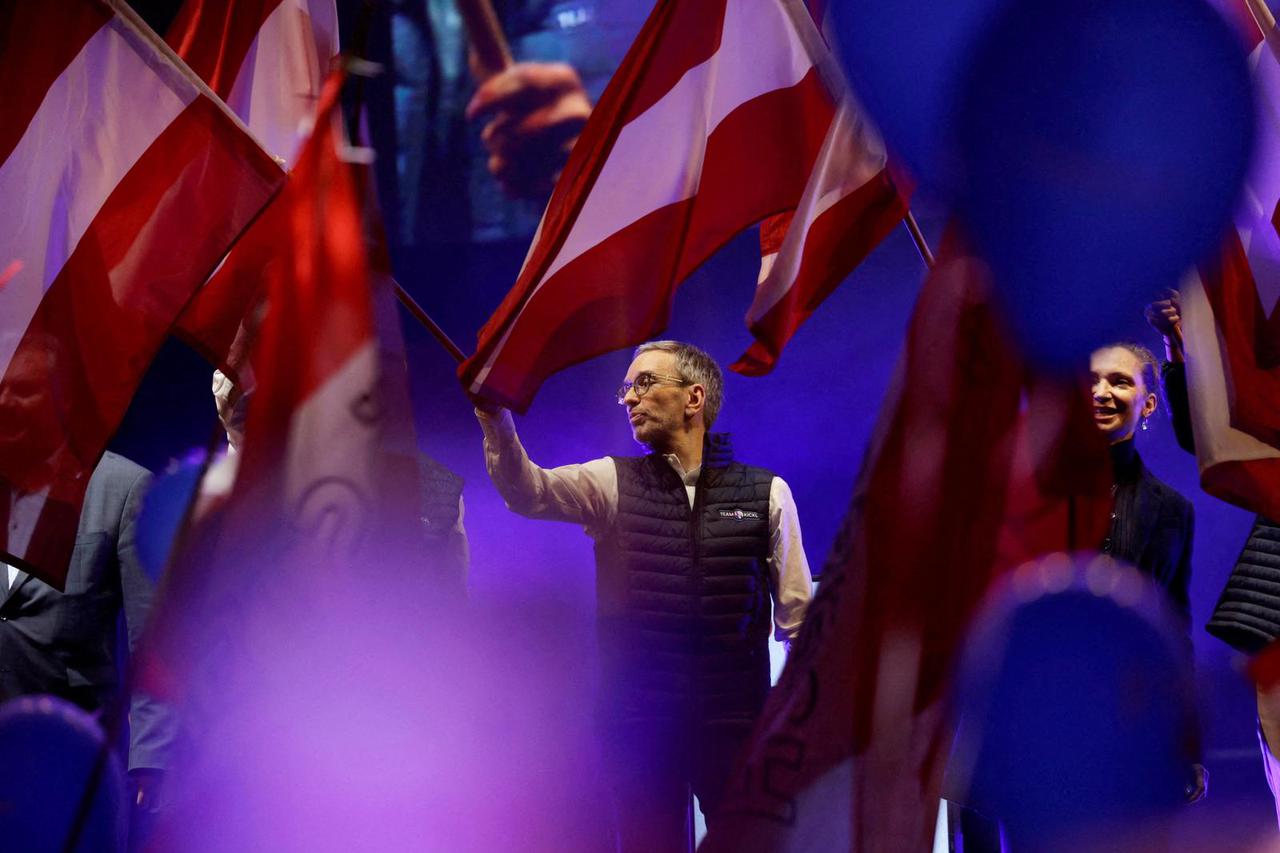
(697, 367)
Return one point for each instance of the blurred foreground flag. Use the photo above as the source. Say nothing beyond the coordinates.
(124, 181)
(714, 121)
(964, 478)
(267, 59)
(1231, 325)
(326, 485)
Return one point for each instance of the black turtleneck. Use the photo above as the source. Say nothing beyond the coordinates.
(1125, 461)
(1127, 466)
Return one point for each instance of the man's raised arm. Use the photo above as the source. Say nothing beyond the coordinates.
(584, 494)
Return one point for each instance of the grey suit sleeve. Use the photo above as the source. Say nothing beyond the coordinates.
(151, 723)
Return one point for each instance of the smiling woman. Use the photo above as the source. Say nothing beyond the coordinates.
(1124, 385)
(1151, 524)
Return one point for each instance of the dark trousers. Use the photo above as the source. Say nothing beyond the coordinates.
(653, 768)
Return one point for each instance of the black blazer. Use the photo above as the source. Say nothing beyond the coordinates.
(65, 643)
(1153, 527)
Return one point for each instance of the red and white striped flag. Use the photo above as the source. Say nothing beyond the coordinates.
(962, 481)
(850, 205)
(268, 59)
(326, 480)
(124, 181)
(713, 122)
(1231, 325)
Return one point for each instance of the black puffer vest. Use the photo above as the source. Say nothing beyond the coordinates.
(684, 594)
(1247, 617)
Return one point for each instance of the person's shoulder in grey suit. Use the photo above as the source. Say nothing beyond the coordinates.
(65, 643)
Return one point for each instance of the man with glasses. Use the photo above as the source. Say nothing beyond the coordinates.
(690, 545)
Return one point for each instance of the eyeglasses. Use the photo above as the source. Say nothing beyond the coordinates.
(644, 382)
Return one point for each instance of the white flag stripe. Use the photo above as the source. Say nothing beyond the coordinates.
(1261, 192)
(851, 155)
(77, 148)
(328, 488)
(766, 267)
(276, 88)
(1216, 440)
(644, 173)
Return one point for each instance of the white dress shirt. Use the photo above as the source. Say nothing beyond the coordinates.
(24, 512)
(587, 494)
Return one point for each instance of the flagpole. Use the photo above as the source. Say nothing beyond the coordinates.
(1266, 23)
(922, 245)
(430, 325)
(491, 52)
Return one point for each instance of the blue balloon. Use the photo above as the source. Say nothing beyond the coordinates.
(1101, 149)
(1076, 705)
(163, 508)
(1094, 149)
(48, 748)
(905, 67)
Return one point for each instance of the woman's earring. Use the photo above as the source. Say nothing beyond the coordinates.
(1144, 424)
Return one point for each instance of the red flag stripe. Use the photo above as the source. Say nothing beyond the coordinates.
(836, 242)
(137, 264)
(691, 36)
(1249, 343)
(215, 37)
(37, 47)
(334, 238)
(1248, 483)
(773, 231)
(211, 322)
(733, 194)
(1234, 465)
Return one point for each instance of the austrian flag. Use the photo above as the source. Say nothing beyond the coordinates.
(124, 180)
(267, 59)
(849, 205)
(1231, 325)
(713, 122)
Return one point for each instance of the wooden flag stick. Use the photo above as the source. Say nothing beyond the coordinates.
(922, 245)
(430, 325)
(1266, 24)
(1262, 16)
(490, 52)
